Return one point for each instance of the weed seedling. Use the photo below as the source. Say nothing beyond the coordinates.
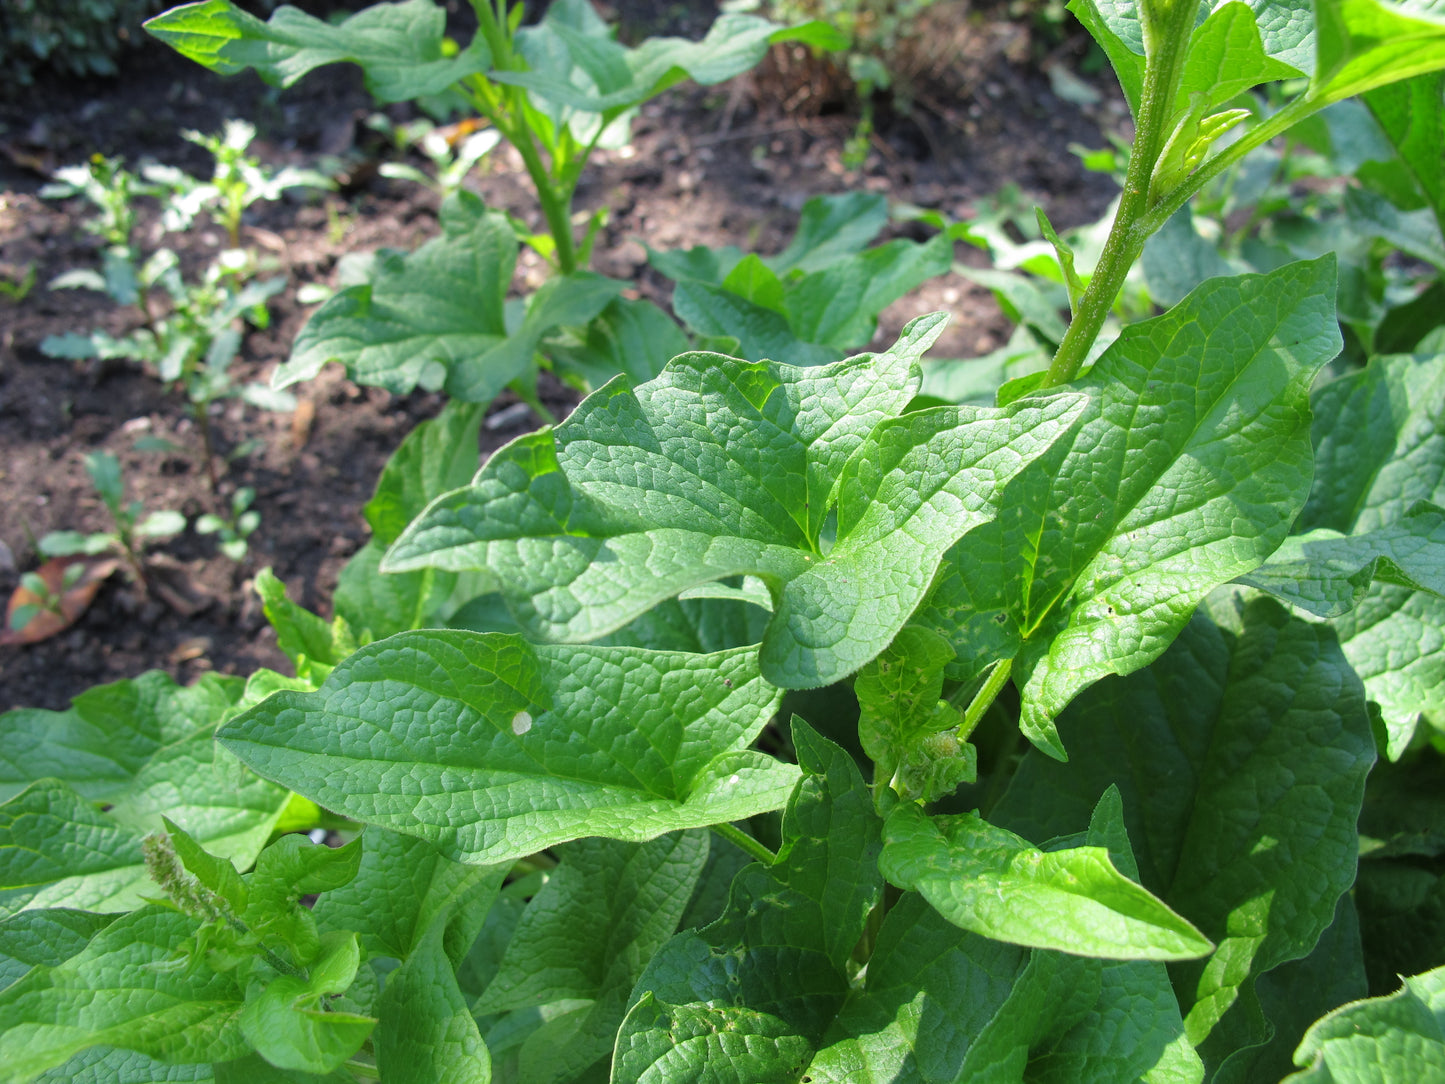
(233, 529)
(132, 526)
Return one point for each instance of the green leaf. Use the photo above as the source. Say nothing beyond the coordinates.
(831, 228)
(812, 317)
(519, 747)
(903, 722)
(721, 468)
(145, 748)
(1242, 794)
(403, 888)
(634, 338)
(1187, 469)
(400, 47)
(1412, 115)
(946, 1004)
(110, 733)
(762, 334)
(426, 1034)
(587, 935)
(605, 77)
(997, 884)
(1177, 259)
(1226, 57)
(287, 1023)
(421, 313)
(1293, 996)
(1328, 574)
(1364, 44)
(437, 317)
(439, 454)
(1116, 26)
(1399, 1037)
(314, 646)
(111, 1065)
(1379, 452)
(256, 1070)
(125, 989)
(748, 998)
(48, 938)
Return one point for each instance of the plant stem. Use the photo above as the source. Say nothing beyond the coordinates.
(1165, 47)
(984, 698)
(746, 842)
(203, 423)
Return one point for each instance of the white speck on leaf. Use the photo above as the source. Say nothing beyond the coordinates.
(521, 723)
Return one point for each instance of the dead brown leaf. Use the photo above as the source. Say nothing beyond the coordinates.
(73, 599)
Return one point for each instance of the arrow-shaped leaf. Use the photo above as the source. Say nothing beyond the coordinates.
(722, 468)
(492, 748)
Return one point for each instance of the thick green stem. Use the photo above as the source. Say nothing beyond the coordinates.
(1167, 43)
(984, 698)
(746, 842)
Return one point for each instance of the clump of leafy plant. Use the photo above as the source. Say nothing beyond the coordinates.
(190, 331)
(238, 181)
(555, 91)
(131, 525)
(236, 526)
(764, 722)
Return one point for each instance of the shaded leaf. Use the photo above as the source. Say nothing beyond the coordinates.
(1187, 469)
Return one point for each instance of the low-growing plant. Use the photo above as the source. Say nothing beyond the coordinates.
(555, 91)
(237, 182)
(762, 722)
(131, 525)
(236, 526)
(77, 38)
(452, 149)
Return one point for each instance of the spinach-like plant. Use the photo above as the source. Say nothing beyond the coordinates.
(1102, 720)
(555, 91)
(132, 525)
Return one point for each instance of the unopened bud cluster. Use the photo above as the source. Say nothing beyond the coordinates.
(188, 894)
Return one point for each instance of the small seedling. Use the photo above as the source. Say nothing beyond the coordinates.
(131, 531)
(452, 150)
(234, 529)
(112, 189)
(237, 182)
(16, 283)
(47, 599)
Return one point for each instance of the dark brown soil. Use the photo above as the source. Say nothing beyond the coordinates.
(725, 165)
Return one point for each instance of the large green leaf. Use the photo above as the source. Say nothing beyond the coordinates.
(492, 748)
(1364, 44)
(944, 1004)
(124, 990)
(1241, 755)
(403, 887)
(1190, 464)
(1227, 57)
(995, 883)
(721, 468)
(1379, 451)
(575, 65)
(110, 733)
(1328, 574)
(816, 299)
(747, 999)
(111, 1065)
(144, 747)
(426, 1034)
(437, 317)
(1395, 1038)
(439, 454)
(1412, 115)
(399, 47)
(586, 936)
